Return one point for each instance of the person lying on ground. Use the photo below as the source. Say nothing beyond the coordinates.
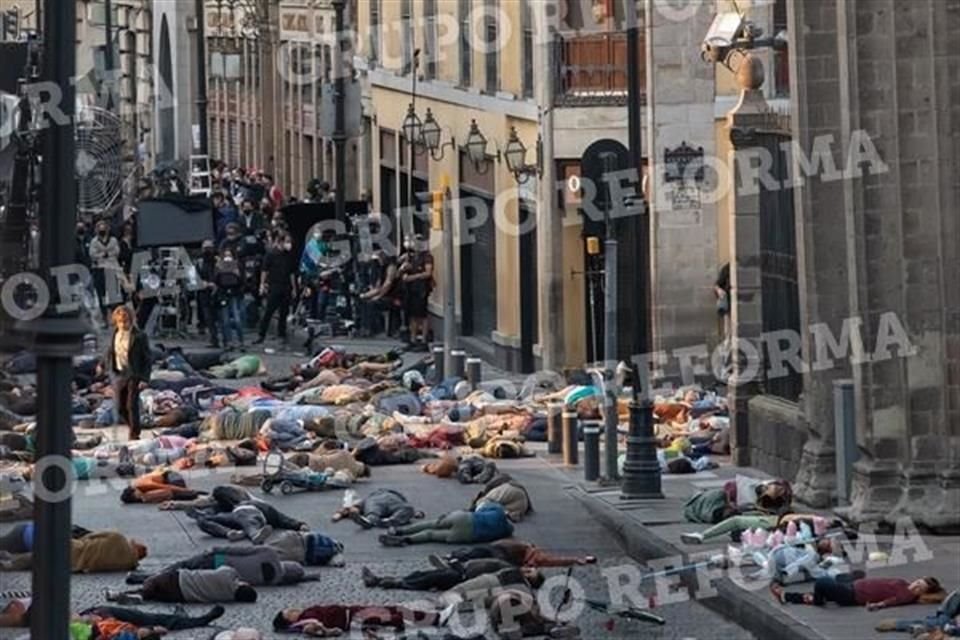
(507, 492)
(383, 452)
(517, 553)
(488, 523)
(111, 623)
(258, 566)
(947, 615)
(245, 521)
(475, 574)
(100, 552)
(383, 508)
(224, 498)
(872, 593)
(790, 563)
(336, 619)
(162, 485)
(190, 586)
(324, 460)
(309, 548)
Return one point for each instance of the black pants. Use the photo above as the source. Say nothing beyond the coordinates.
(228, 497)
(126, 398)
(479, 552)
(12, 541)
(276, 301)
(429, 580)
(839, 590)
(171, 622)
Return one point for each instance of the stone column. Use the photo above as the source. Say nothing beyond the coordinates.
(683, 216)
(746, 303)
(821, 244)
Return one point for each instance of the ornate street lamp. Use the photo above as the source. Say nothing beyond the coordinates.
(430, 136)
(477, 149)
(412, 126)
(516, 156)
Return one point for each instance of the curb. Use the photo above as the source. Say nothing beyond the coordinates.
(747, 609)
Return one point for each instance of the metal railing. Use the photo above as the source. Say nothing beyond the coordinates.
(592, 69)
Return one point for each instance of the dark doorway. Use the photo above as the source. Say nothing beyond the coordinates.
(529, 288)
(478, 266)
(388, 202)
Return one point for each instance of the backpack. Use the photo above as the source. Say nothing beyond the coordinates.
(320, 549)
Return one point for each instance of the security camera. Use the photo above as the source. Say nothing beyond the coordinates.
(726, 29)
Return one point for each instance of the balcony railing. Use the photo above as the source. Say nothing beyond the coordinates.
(592, 69)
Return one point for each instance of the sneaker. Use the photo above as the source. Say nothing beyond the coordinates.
(235, 535)
(446, 614)
(260, 536)
(389, 540)
(437, 562)
(361, 520)
(691, 538)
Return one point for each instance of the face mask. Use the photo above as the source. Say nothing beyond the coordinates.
(228, 258)
(287, 246)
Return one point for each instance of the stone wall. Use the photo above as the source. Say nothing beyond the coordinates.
(777, 435)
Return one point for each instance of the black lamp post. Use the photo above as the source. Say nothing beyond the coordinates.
(641, 470)
(58, 337)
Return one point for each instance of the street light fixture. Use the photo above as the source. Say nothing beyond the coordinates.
(412, 126)
(516, 156)
(477, 149)
(430, 136)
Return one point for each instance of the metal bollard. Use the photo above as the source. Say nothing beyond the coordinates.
(438, 354)
(591, 450)
(474, 372)
(571, 425)
(554, 428)
(459, 360)
(845, 429)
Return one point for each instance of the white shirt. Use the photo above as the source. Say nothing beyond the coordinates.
(121, 350)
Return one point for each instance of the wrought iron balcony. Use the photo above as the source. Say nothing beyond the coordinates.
(592, 69)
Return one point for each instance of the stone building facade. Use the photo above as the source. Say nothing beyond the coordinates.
(875, 84)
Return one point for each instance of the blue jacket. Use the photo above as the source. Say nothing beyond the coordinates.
(490, 522)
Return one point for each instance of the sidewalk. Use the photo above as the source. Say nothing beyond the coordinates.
(650, 531)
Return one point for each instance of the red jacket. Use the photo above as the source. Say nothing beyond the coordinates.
(889, 591)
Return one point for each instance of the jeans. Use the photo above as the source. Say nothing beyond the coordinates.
(248, 519)
(428, 580)
(828, 589)
(231, 319)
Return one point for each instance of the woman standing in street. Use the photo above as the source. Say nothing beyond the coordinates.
(229, 284)
(128, 362)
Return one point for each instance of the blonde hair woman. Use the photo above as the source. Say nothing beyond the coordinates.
(128, 362)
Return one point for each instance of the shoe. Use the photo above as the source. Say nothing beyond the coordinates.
(215, 612)
(437, 562)
(564, 631)
(235, 535)
(886, 625)
(446, 614)
(369, 579)
(361, 520)
(388, 540)
(392, 531)
(137, 577)
(691, 538)
(260, 536)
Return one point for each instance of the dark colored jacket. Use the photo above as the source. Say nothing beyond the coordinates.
(140, 361)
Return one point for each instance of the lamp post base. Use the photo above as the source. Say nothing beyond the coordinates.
(641, 470)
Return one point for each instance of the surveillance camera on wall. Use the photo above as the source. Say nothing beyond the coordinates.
(726, 29)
